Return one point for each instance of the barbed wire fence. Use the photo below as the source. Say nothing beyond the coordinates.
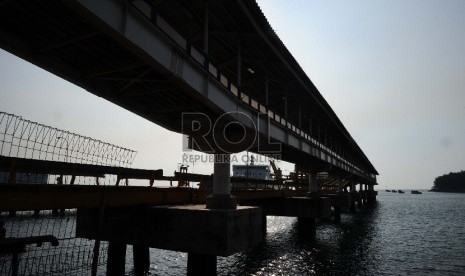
(27, 139)
(23, 138)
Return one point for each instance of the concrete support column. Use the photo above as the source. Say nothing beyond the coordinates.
(340, 191)
(367, 194)
(306, 228)
(221, 197)
(116, 260)
(141, 255)
(337, 213)
(221, 175)
(371, 196)
(312, 185)
(353, 194)
(340, 186)
(362, 196)
(264, 227)
(201, 264)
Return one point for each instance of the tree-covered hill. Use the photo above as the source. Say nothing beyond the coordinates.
(453, 182)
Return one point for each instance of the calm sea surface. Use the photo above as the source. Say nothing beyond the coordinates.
(403, 234)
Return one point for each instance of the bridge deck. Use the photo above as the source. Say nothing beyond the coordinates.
(148, 60)
(44, 197)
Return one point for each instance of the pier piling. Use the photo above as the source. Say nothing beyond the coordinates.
(141, 255)
(116, 259)
(306, 228)
(201, 264)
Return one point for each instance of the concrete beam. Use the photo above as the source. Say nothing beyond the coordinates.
(304, 207)
(191, 228)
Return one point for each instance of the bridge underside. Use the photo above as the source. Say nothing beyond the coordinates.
(60, 39)
(120, 56)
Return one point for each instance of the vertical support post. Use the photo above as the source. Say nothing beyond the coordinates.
(306, 228)
(340, 192)
(353, 196)
(201, 264)
(361, 196)
(371, 196)
(366, 194)
(337, 213)
(141, 257)
(264, 227)
(340, 186)
(312, 185)
(221, 176)
(14, 264)
(101, 216)
(221, 197)
(116, 259)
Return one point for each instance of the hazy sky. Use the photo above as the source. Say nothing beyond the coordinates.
(393, 71)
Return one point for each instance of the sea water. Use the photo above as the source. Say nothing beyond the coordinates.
(404, 234)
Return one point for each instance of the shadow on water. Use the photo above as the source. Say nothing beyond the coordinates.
(344, 248)
(351, 244)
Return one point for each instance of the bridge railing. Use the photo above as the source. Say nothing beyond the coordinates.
(319, 150)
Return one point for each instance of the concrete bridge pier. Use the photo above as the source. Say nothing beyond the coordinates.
(354, 196)
(205, 264)
(264, 226)
(141, 255)
(360, 196)
(366, 194)
(201, 264)
(312, 185)
(371, 195)
(337, 208)
(221, 197)
(306, 226)
(117, 259)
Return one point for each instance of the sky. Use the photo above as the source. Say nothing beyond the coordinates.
(392, 70)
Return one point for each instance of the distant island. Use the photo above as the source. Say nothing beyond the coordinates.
(453, 182)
